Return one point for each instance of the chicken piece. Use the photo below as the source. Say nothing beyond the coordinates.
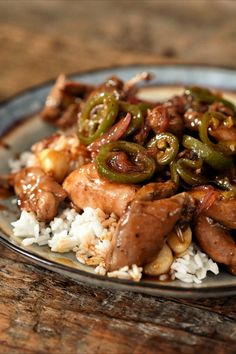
(223, 211)
(178, 103)
(143, 229)
(86, 188)
(38, 193)
(165, 119)
(52, 109)
(213, 223)
(218, 106)
(223, 133)
(158, 118)
(219, 209)
(77, 89)
(63, 102)
(192, 119)
(154, 191)
(112, 85)
(216, 241)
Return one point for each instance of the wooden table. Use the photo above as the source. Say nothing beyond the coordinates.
(43, 312)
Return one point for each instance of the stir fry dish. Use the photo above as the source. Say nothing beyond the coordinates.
(133, 187)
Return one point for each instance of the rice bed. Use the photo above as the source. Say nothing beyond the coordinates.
(89, 236)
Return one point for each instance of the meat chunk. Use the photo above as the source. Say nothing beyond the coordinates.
(159, 119)
(216, 241)
(63, 102)
(165, 118)
(192, 119)
(221, 209)
(223, 133)
(112, 85)
(38, 193)
(53, 103)
(86, 188)
(142, 230)
(154, 191)
(213, 224)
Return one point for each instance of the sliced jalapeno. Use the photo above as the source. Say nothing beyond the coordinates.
(95, 122)
(124, 162)
(167, 146)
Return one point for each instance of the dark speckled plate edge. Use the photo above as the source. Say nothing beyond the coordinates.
(39, 93)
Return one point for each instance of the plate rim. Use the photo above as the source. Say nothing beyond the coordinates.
(154, 289)
(120, 284)
(51, 80)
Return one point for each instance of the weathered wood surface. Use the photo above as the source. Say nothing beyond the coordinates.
(48, 37)
(43, 312)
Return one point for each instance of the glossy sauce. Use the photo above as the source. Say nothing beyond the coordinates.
(66, 261)
(152, 278)
(5, 193)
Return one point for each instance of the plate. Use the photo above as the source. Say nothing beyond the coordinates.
(20, 126)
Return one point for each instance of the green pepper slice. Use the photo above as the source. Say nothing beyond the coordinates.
(92, 126)
(144, 107)
(186, 167)
(137, 116)
(215, 159)
(167, 146)
(227, 147)
(139, 166)
(204, 95)
(173, 173)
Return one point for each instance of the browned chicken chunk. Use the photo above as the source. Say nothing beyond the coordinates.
(86, 188)
(216, 241)
(63, 102)
(223, 133)
(38, 193)
(142, 230)
(219, 209)
(154, 191)
(215, 218)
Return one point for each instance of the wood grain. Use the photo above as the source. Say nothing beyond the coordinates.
(42, 312)
(39, 39)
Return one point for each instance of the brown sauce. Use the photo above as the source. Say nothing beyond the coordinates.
(65, 261)
(156, 278)
(5, 193)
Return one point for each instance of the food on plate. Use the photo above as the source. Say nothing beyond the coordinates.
(132, 187)
(38, 192)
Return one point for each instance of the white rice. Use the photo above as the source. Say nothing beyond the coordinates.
(89, 236)
(69, 231)
(134, 273)
(193, 265)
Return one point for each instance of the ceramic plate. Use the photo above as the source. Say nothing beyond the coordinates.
(18, 134)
